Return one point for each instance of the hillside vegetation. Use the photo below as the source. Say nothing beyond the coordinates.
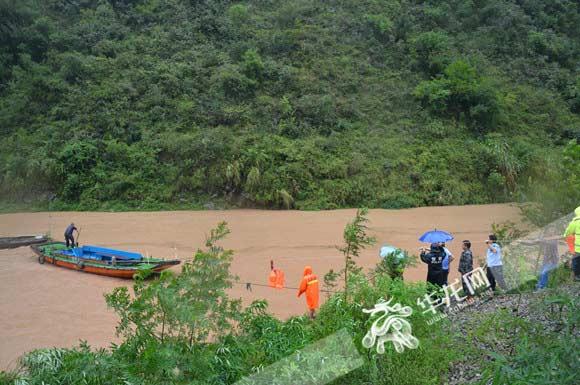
(289, 104)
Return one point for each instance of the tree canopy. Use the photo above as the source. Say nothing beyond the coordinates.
(285, 104)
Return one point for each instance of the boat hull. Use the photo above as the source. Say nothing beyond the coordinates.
(94, 267)
(14, 242)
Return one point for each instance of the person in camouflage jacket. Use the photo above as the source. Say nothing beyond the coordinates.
(466, 265)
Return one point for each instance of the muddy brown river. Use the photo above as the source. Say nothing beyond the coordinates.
(46, 306)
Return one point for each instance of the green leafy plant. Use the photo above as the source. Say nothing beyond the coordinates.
(394, 264)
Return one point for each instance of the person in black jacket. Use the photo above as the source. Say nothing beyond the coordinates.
(69, 236)
(434, 259)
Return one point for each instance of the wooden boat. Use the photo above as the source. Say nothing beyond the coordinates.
(99, 260)
(25, 240)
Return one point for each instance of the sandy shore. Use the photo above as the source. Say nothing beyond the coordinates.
(44, 306)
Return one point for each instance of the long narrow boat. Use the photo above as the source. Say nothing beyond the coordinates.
(99, 260)
(25, 240)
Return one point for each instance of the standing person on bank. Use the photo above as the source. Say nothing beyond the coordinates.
(434, 260)
(494, 263)
(445, 265)
(574, 229)
(309, 285)
(466, 266)
(69, 235)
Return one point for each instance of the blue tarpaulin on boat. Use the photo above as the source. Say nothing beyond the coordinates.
(101, 253)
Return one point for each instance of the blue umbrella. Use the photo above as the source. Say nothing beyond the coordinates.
(436, 236)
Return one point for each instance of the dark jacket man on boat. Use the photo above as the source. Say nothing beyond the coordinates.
(68, 235)
(434, 260)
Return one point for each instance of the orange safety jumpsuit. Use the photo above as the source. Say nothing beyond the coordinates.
(309, 285)
(276, 279)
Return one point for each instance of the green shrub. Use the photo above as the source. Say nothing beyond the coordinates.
(430, 49)
(394, 264)
(463, 94)
(234, 84)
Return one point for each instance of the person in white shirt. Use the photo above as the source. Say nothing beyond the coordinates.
(445, 265)
(494, 263)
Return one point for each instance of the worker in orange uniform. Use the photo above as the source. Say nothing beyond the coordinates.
(309, 285)
(276, 278)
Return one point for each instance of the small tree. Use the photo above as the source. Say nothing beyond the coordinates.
(355, 239)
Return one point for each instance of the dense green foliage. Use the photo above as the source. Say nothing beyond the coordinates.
(382, 103)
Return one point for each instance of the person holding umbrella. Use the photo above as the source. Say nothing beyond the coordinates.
(436, 256)
(434, 260)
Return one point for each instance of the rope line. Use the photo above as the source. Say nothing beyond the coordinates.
(250, 284)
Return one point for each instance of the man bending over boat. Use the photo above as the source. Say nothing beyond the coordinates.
(68, 235)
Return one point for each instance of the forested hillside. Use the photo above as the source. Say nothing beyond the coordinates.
(288, 103)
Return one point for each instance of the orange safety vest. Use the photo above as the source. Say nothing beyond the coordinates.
(570, 240)
(309, 285)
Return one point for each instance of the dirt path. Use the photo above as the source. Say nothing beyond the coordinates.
(44, 306)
